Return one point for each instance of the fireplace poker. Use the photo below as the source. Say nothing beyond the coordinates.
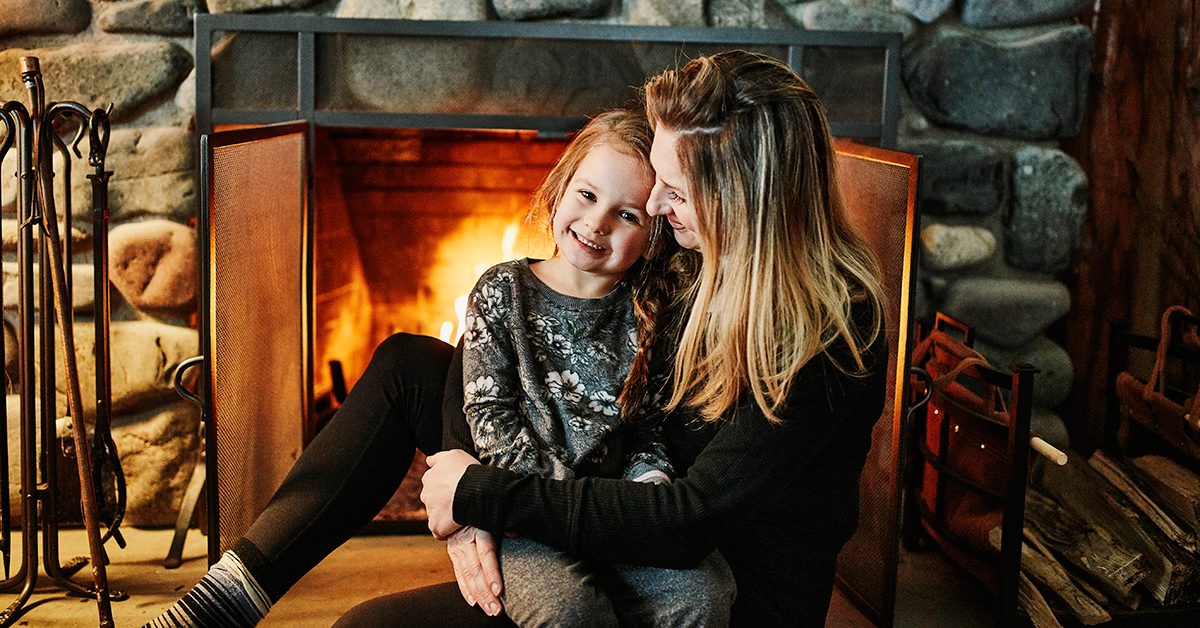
(19, 126)
(31, 74)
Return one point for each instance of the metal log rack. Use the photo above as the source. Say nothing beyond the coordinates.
(44, 304)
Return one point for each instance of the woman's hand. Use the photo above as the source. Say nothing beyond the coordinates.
(438, 486)
(476, 568)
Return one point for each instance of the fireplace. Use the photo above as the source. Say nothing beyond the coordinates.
(418, 180)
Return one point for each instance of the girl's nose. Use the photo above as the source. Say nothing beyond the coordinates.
(596, 222)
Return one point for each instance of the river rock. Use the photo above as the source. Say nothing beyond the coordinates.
(153, 264)
(1032, 88)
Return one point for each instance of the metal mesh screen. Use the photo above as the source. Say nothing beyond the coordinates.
(879, 190)
(257, 227)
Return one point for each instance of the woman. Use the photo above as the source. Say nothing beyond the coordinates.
(782, 355)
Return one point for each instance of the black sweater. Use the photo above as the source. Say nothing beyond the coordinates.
(778, 500)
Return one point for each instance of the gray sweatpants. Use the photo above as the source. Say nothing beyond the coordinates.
(546, 587)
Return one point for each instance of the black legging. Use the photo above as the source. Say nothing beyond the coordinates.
(350, 471)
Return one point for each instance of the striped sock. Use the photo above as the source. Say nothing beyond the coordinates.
(226, 597)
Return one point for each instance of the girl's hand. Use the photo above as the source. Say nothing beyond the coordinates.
(438, 486)
(476, 568)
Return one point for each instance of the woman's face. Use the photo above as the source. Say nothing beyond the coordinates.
(670, 197)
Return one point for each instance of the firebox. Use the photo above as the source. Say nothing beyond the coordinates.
(393, 162)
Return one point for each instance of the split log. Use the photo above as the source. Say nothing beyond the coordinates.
(1174, 575)
(1117, 476)
(1111, 565)
(1035, 605)
(1044, 569)
(1174, 486)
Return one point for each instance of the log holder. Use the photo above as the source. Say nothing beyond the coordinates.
(44, 288)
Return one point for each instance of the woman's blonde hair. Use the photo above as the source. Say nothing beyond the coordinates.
(782, 263)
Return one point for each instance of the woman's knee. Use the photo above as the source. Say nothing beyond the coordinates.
(415, 353)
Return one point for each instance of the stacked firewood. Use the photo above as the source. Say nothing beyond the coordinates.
(1107, 535)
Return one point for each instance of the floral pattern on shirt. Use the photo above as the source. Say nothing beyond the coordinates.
(542, 372)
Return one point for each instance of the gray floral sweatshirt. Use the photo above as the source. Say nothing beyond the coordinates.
(541, 375)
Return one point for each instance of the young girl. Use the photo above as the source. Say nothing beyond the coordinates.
(547, 348)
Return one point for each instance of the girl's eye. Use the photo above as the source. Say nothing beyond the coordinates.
(588, 194)
(631, 217)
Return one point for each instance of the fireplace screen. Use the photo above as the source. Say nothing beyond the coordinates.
(256, 217)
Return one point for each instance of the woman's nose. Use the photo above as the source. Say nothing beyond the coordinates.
(656, 204)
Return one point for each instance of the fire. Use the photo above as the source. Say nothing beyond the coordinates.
(472, 244)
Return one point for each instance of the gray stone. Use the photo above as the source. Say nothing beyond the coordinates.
(154, 172)
(250, 6)
(153, 265)
(947, 247)
(83, 291)
(829, 15)
(667, 13)
(1055, 375)
(144, 355)
(1050, 201)
(1033, 88)
(994, 13)
(960, 177)
(925, 10)
(1007, 313)
(43, 17)
(126, 75)
(185, 96)
(542, 9)
(1049, 426)
(421, 76)
(749, 14)
(456, 10)
(574, 80)
(154, 17)
(158, 451)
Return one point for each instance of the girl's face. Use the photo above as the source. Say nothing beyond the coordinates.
(601, 225)
(670, 196)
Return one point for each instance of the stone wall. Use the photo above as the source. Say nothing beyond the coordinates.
(992, 86)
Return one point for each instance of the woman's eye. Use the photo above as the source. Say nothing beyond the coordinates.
(673, 196)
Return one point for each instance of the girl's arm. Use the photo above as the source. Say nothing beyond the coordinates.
(492, 389)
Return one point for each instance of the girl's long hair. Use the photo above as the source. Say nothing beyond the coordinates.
(782, 263)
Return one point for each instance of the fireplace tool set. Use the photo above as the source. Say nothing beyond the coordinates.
(44, 298)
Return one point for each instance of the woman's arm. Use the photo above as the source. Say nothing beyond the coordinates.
(751, 469)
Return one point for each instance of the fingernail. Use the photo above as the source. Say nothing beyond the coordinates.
(470, 600)
(495, 588)
(493, 609)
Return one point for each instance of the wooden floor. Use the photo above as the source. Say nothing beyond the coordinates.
(931, 593)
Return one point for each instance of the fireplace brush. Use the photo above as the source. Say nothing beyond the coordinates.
(101, 481)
